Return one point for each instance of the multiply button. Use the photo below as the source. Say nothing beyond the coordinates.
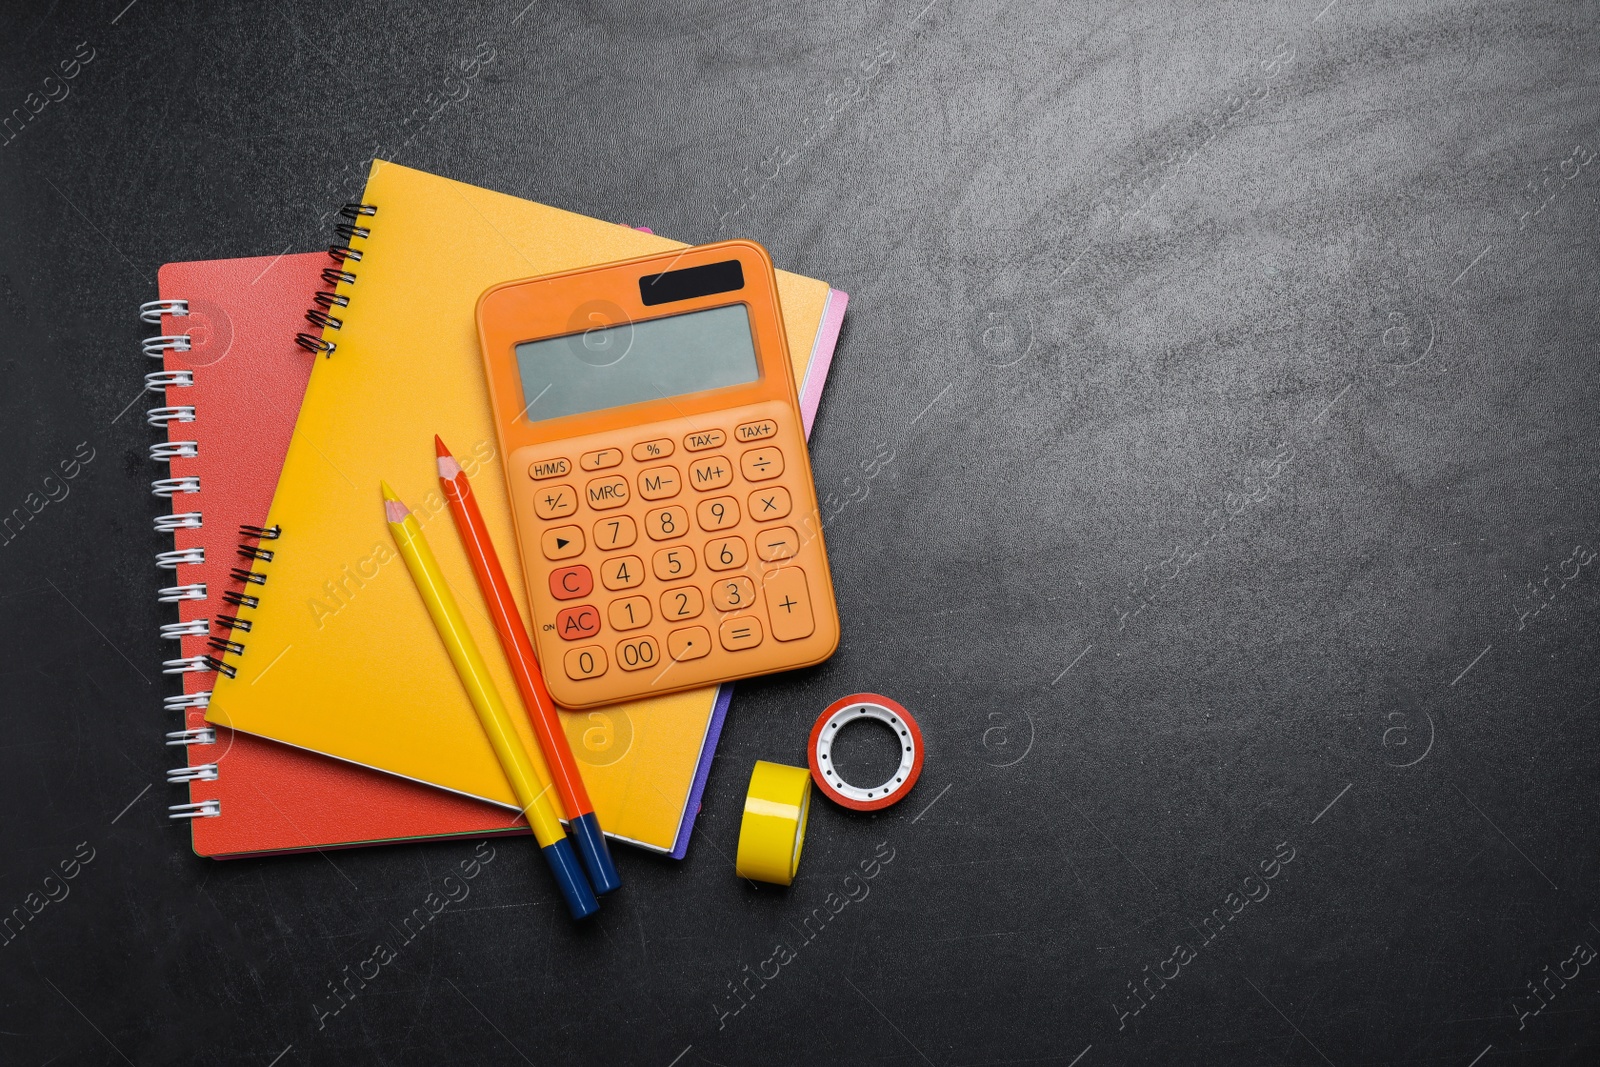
(691, 642)
(541, 469)
(609, 492)
(586, 662)
(770, 503)
(570, 583)
(659, 483)
(788, 604)
(555, 501)
(599, 461)
(579, 622)
(645, 451)
(699, 442)
(760, 464)
(739, 633)
(779, 542)
(563, 542)
(713, 473)
(756, 431)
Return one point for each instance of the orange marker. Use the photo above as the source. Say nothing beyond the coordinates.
(585, 825)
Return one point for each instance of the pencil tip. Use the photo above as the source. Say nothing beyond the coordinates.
(388, 491)
(448, 467)
(438, 447)
(395, 511)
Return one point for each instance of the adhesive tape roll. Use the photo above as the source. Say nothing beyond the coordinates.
(774, 824)
(841, 713)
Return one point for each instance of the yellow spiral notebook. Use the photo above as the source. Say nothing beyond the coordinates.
(340, 656)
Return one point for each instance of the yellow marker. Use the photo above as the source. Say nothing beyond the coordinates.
(492, 713)
(774, 825)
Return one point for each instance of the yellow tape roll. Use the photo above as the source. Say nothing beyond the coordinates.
(774, 824)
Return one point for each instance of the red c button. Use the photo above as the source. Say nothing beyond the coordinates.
(570, 583)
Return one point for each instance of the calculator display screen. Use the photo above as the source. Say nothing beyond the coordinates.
(611, 366)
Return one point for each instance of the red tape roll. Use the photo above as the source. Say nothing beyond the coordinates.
(850, 709)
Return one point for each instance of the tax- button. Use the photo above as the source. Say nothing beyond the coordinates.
(563, 542)
(755, 431)
(760, 464)
(576, 623)
(609, 492)
(659, 483)
(779, 542)
(713, 473)
(555, 501)
(541, 469)
(699, 442)
(599, 461)
(788, 604)
(739, 633)
(570, 583)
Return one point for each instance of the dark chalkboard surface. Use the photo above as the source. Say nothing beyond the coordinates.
(1211, 453)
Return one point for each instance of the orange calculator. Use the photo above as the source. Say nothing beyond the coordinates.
(657, 466)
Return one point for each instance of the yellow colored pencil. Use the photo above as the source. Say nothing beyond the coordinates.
(492, 712)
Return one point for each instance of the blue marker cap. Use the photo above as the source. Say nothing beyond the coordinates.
(596, 856)
(569, 876)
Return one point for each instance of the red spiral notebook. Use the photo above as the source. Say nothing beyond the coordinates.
(232, 397)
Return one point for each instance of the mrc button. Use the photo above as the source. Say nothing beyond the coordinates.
(541, 469)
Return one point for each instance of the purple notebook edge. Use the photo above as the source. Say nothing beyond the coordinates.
(817, 368)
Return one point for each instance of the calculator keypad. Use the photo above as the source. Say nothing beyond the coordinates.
(670, 558)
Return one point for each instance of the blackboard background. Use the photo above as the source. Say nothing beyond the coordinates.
(1238, 367)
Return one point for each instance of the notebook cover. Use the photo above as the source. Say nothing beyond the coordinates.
(248, 380)
(341, 659)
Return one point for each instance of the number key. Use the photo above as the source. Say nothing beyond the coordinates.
(638, 654)
(586, 662)
(555, 501)
(630, 613)
(623, 572)
(672, 564)
(663, 524)
(726, 553)
(619, 532)
(717, 513)
(731, 594)
(682, 603)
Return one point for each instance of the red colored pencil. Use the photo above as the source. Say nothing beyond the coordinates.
(581, 819)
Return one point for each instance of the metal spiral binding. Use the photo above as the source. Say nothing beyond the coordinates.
(167, 451)
(158, 381)
(198, 809)
(152, 310)
(224, 645)
(188, 700)
(171, 561)
(337, 275)
(241, 600)
(162, 416)
(261, 533)
(177, 520)
(172, 486)
(158, 347)
(191, 628)
(233, 622)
